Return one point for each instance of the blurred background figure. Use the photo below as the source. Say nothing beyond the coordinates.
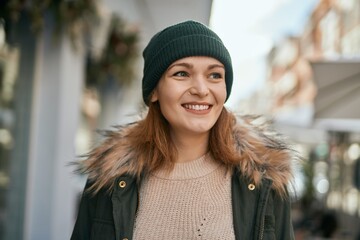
(68, 68)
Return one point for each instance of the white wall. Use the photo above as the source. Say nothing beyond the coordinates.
(51, 193)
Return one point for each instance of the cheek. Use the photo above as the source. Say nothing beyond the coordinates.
(167, 98)
(220, 93)
(168, 103)
(169, 93)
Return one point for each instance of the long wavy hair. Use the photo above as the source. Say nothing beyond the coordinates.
(154, 147)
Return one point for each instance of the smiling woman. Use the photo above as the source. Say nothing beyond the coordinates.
(190, 169)
(191, 94)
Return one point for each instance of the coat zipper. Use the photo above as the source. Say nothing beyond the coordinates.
(262, 229)
(262, 225)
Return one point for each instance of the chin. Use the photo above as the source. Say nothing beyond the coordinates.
(201, 130)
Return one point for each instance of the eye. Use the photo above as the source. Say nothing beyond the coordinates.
(216, 75)
(181, 74)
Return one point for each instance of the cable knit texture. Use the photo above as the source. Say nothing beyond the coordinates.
(193, 201)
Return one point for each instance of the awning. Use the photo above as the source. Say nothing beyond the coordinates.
(338, 98)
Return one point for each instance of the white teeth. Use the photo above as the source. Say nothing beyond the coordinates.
(196, 107)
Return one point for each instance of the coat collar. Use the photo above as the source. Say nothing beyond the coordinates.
(263, 154)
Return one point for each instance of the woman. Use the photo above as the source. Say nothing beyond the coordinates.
(189, 169)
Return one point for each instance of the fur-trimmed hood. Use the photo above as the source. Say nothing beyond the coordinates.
(265, 155)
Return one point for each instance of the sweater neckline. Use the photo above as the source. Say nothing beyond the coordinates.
(197, 168)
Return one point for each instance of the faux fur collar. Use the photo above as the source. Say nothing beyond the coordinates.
(264, 155)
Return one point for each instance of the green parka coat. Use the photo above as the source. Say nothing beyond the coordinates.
(261, 205)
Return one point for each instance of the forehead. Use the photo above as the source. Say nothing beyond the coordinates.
(197, 60)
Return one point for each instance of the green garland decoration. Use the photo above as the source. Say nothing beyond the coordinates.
(119, 56)
(75, 17)
(71, 16)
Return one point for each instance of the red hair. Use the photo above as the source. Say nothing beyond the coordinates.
(154, 148)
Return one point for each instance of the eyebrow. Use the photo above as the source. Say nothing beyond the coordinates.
(216, 66)
(188, 65)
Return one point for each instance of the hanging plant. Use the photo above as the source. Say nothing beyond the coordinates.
(75, 18)
(118, 57)
(71, 16)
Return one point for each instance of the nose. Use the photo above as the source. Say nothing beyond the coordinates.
(199, 87)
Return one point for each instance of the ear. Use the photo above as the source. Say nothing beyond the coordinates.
(154, 96)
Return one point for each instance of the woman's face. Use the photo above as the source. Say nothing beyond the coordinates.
(191, 94)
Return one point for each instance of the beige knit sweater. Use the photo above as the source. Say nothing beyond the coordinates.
(191, 202)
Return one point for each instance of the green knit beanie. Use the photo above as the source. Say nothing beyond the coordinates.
(178, 41)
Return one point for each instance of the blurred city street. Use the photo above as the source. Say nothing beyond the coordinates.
(71, 68)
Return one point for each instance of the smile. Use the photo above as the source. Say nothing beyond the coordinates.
(196, 107)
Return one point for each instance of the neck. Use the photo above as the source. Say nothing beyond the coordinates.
(190, 147)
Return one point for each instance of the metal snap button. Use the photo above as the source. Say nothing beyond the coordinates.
(251, 186)
(122, 184)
